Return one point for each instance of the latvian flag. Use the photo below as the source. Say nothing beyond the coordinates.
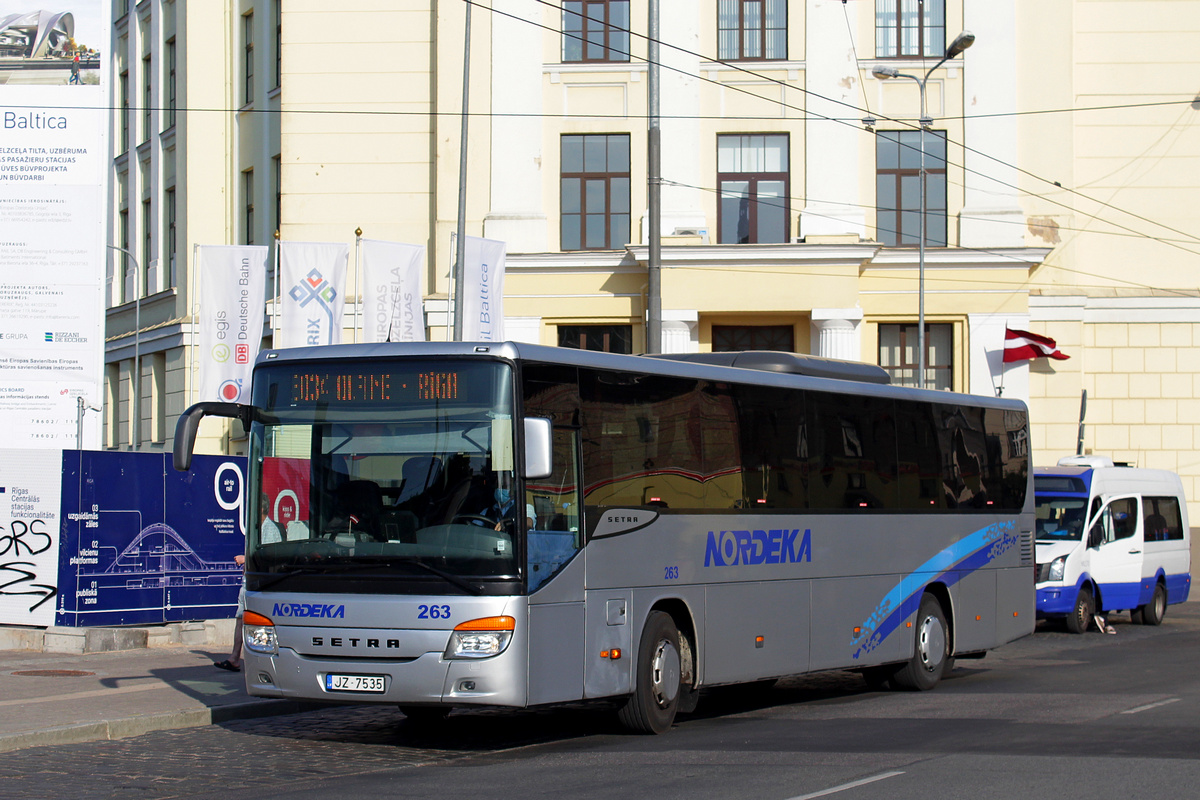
(1023, 346)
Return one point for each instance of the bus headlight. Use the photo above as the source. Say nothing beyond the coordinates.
(1057, 567)
(480, 638)
(258, 634)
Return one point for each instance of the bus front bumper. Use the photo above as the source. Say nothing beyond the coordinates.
(427, 679)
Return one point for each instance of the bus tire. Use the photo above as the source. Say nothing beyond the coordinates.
(657, 677)
(1153, 612)
(1085, 608)
(931, 650)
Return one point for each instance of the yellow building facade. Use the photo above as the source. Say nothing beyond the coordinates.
(1060, 182)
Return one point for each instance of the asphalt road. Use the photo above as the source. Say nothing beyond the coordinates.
(1053, 715)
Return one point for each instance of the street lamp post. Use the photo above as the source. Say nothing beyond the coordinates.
(960, 43)
(137, 335)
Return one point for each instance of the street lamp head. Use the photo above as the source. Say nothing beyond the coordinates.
(960, 43)
(883, 73)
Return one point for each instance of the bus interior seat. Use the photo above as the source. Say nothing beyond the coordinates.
(420, 473)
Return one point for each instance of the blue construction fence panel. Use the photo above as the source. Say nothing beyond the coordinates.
(142, 544)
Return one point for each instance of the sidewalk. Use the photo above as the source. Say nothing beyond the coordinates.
(71, 697)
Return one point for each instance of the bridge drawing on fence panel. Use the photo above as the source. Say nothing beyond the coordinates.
(168, 561)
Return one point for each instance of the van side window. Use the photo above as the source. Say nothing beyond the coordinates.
(1163, 521)
(1124, 519)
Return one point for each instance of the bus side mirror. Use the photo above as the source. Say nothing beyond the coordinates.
(1095, 535)
(539, 462)
(189, 423)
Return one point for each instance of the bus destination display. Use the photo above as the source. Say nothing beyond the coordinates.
(362, 387)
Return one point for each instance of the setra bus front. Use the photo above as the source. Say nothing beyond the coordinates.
(385, 527)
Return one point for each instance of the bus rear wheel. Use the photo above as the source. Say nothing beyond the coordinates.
(931, 651)
(657, 676)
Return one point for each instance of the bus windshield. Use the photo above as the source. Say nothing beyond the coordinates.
(1060, 518)
(395, 477)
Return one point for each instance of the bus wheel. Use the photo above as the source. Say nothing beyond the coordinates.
(1153, 612)
(931, 651)
(655, 699)
(425, 715)
(1085, 608)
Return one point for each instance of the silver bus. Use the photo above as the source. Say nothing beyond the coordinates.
(459, 524)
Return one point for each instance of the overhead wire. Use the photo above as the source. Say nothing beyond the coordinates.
(1191, 238)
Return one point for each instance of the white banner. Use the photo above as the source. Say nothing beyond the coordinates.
(481, 297)
(232, 297)
(312, 293)
(391, 292)
(54, 162)
(30, 504)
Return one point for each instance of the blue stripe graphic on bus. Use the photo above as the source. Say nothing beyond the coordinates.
(949, 566)
(321, 610)
(734, 548)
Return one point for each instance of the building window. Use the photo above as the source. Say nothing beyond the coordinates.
(123, 90)
(121, 9)
(147, 245)
(751, 29)
(595, 191)
(126, 279)
(278, 43)
(910, 28)
(248, 194)
(158, 397)
(277, 167)
(752, 176)
(172, 100)
(172, 242)
(735, 338)
(604, 338)
(898, 188)
(596, 30)
(248, 59)
(147, 105)
(898, 347)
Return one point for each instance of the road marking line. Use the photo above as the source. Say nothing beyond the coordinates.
(845, 786)
(1151, 705)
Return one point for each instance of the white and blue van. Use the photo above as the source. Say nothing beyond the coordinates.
(1109, 539)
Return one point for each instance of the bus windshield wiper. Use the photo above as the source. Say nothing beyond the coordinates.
(310, 569)
(449, 577)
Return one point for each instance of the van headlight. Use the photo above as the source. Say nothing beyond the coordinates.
(1057, 568)
(480, 638)
(258, 634)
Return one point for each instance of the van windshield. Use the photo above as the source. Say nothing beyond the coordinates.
(1060, 518)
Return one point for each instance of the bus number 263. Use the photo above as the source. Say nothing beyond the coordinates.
(433, 612)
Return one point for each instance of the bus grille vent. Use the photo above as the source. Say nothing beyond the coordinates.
(1026, 548)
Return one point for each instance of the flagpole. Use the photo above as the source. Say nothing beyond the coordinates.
(1003, 364)
(192, 302)
(275, 295)
(357, 278)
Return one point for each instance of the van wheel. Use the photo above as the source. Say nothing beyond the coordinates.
(657, 677)
(1153, 612)
(1085, 608)
(931, 651)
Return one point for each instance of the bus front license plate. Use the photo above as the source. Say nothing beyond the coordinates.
(354, 683)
